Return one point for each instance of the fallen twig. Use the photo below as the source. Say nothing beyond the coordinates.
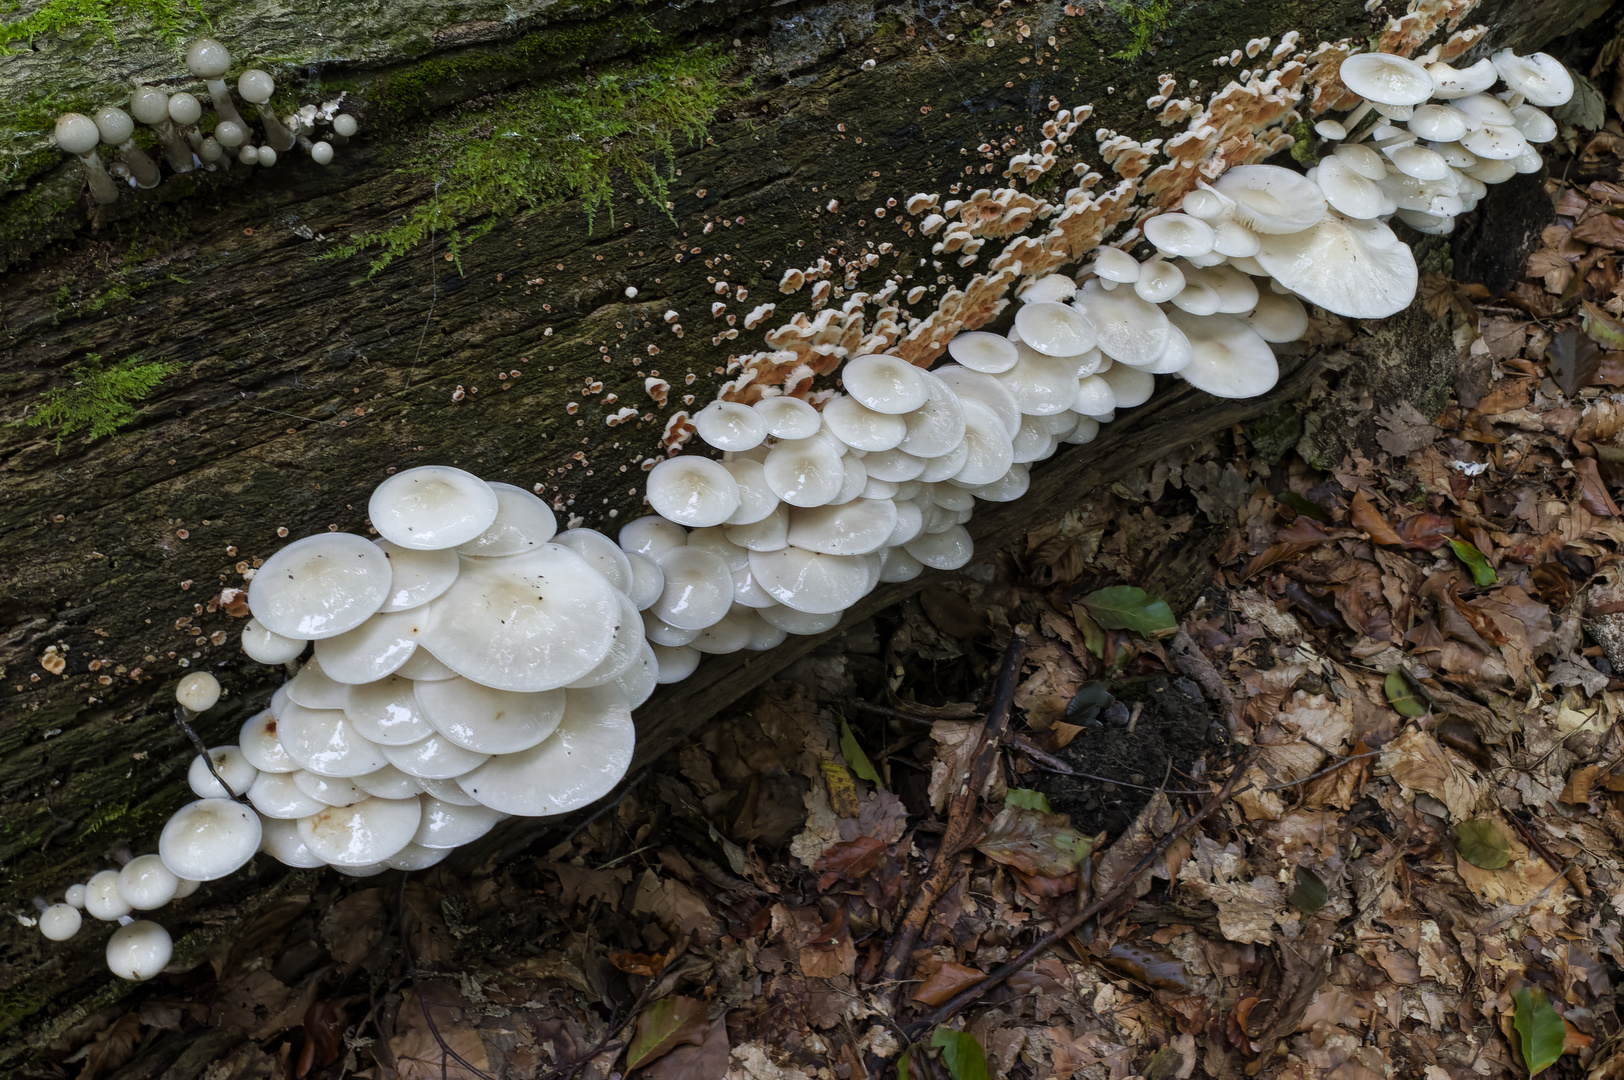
(1194, 665)
(996, 978)
(417, 988)
(961, 815)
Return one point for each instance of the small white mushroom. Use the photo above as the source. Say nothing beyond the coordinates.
(150, 106)
(77, 134)
(209, 839)
(117, 130)
(139, 950)
(59, 922)
(208, 60)
(146, 883)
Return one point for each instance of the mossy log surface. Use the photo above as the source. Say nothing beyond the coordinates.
(300, 382)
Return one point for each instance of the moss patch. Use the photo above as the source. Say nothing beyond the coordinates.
(172, 20)
(101, 399)
(1144, 23)
(544, 145)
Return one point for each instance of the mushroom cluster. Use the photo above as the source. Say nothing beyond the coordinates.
(177, 123)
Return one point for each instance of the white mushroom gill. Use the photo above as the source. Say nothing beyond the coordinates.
(471, 664)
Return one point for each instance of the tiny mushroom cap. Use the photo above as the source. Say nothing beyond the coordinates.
(788, 417)
(1348, 192)
(1386, 79)
(1204, 204)
(1449, 83)
(981, 351)
(1054, 329)
(490, 721)
(74, 895)
(59, 922)
(268, 648)
(449, 825)
(102, 899)
(114, 125)
(582, 761)
(804, 472)
(693, 491)
(756, 498)
(862, 428)
(256, 86)
(1535, 126)
(185, 109)
(529, 622)
(810, 581)
(652, 536)
(209, 839)
(1438, 123)
(885, 384)
(139, 950)
(277, 797)
(361, 834)
(1330, 129)
(207, 58)
(320, 586)
(231, 134)
(261, 747)
(727, 425)
(1180, 234)
(1056, 287)
(230, 764)
(321, 152)
(522, 522)
(1159, 281)
(1357, 269)
(146, 883)
(1419, 162)
(1362, 159)
(283, 843)
(149, 105)
(198, 691)
(698, 589)
(344, 124)
(1130, 328)
(1114, 264)
(432, 506)
(1231, 360)
(76, 133)
(1272, 200)
(1277, 318)
(1538, 77)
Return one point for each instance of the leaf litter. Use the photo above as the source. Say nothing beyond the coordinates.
(1247, 766)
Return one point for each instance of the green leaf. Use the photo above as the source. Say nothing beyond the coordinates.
(903, 1072)
(856, 758)
(1124, 607)
(1483, 574)
(1027, 799)
(668, 1023)
(1302, 506)
(1482, 843)
(1310, 894)
(1401, 695)
(1542, 1031)
(1093, 636)
(961, 1053)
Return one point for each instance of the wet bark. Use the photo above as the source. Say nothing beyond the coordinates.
(301, 381)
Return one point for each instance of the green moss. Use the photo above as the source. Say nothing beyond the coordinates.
(1144, 23)
(1303, 150)
(101, 399)
(172, 20)
(543, 145)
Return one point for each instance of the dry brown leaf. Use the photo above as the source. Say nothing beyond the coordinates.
(418, 1054)
(946, 981)
(1369, 520)
(1418, 763)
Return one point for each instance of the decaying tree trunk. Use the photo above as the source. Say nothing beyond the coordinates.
(299, 381)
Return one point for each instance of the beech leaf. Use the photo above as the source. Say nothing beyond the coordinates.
(1541, 1031)
(667, 1024)
(1028, 799)
(962, 1054)
(856, 758)
(1126, 607)
(1483, 574)
(1310, 894)
(1482, 843)
(1401, 695)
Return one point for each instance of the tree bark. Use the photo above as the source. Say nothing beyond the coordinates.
(300, 382)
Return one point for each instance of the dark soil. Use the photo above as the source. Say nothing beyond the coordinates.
(1165, 747)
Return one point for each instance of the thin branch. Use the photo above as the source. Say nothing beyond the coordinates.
(183, 717)
(417, 988)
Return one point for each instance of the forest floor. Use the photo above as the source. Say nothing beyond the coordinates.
(1359, 813)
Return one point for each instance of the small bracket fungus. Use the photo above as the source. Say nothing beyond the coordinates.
(78, 135)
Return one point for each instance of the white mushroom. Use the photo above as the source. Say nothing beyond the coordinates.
(367, 832)
(600, 553)
(268, 648)
(580, 763)
(77, 134)
(208, 839)
(432, 507)
(1054, 329)
(809, 581)
(804, 472)
(1450, 83)
(522, 523)
(1230, 359)
(1131, 329)
(788, 417)
(146, 883)
(1179, 234)
(1539, 78)
(692, 491)
(1272, 200)
(197, 691)
(698, 589)
(139, 950)
(231, 766)
(150, 106)
(320, 586)
(884, 384)
(862, 428)
(322, 741)
(981, 351)
(727, 425)
(853, 528)
(103, 900)
(1357, 269)
(117, 130)
(257, 86)
(208, 60)
(59, 922)
(261, 747)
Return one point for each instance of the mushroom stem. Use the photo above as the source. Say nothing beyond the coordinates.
(224, 107)
(176, 152)
(1393, 142)
(102, 186)
(277, 135)
(291, 667)
(1351, 121)
(143, 168)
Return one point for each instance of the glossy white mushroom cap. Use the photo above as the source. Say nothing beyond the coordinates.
(600, 553)
(648, 580)
(885, 384)
(990, 449)
(322, 741)
(1387, 79)
(344, 124)
(652, 536)
(692, 491)
(451, 825)
(1039, 384)
(387, 711)
(1495, 142)
(74, 895)
(981, 351)
(946, 550)
(727, 425)
(1348, 192)
(208, 839)
(76, 133)
(801, 622)
(432, 507)
(374, 650)
(788, 417)
(676, 662)
(198, 691)
(59, 922)
(1231, 239)
(1437, 123)
(580, 763)
(862, 428)
(1132, 386)
(527, 622)
(234, 768)
(320, 586)
(853, 528)
(283, 843)
(146, 883)
(1179, 235)
(1231, 360)
(1114, 264)
(114, 125)
(1357, 269)
(313, 689)
(277, 796)
(491, 721)
(102, 899)
(388, 783)
(805, 472)
(936, 427)
(1330, 129)
(1052, 287)
(139, 950)
(1534, 125)
(328, 790)
(1094, 397)
(416, 577)
(756, 497)
(698, 589)
(1054, 329)
(1131, 329)
(260, 745)
(185, 109)
(1362, 159)
(974, 386)
(523, 522)
(1419, 162)
(1485, 109)
(362, 834)
(1272, 200)
(1158, 281)
(262, 645)
(149, 105)
(1277, 318)
(434, 758)
(1539, 77)
(207, 59)
(1449, 83)
(256, 86)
